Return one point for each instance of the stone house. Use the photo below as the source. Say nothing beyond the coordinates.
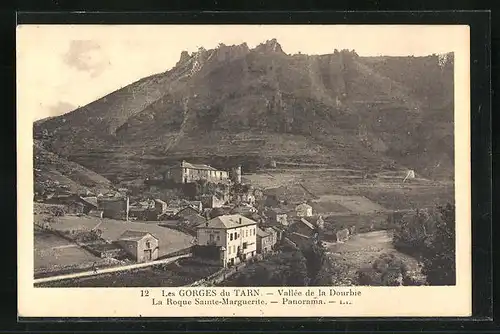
(304, 210)
(232, 237)
(277, 216)
(185, 172)
(160, 206)
(211, 201)
(264, 241)
(141, 246)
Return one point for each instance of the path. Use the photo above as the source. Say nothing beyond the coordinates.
(108, 270)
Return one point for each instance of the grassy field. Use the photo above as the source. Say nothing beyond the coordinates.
(169, 240)
(180, 273)
(52, 252)
(355, 204)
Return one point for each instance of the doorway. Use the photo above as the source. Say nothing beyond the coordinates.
(147, 255)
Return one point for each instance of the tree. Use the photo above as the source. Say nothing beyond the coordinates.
(430, 237)
(318, 266)
(439, 255)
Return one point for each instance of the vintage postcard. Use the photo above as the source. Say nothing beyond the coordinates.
(243, 170)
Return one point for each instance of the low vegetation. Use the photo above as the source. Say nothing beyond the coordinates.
(387, 270)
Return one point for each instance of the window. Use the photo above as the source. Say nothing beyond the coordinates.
(148, 244)
(244, 245)
(231, 236)
(218, 238)
(234, 249)
(229, 250)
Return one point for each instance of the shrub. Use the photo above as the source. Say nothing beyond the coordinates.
(387, 270)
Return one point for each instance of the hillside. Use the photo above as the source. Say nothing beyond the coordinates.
(55, 174)
(244, 104)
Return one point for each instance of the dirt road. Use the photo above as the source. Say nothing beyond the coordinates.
(108, 270)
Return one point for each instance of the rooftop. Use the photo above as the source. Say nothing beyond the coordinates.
(261, 233)
(134, 235)
(186, 164)
(308, 224)
(228, 222)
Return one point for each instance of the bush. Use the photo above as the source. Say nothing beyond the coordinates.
(387, 270)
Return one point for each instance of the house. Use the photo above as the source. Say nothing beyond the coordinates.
(280, 233)
(211, 201)
(342, 235)
(141, 213)
(169, 214)
(277, 216)
(192, 220)
(187, 211)
(233, 235)
(264, 241)
(141, 246)
(114, 207)
(182, 203)
(89, 203)
(244, 209)
(74, 203)
(197, 205)
(303, 210)
(304, 227)
(74, 208)
(185, 172)
(160, 206)
(246, 198)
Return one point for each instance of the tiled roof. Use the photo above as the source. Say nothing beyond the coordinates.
(90, 200)
(261, 233)
(197, 166)
(134, 235)
(228, 221)
(308, 224)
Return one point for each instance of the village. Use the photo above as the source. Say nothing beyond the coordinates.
(218, 226)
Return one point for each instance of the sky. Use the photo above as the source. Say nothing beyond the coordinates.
(62, 67)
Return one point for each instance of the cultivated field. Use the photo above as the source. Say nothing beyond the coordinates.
(52, 252)
(169, 240)
(337, 190)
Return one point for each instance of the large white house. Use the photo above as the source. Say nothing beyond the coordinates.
(235, 235)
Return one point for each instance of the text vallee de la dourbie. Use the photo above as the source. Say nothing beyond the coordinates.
(249, 296)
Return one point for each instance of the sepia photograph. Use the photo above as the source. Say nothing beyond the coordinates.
(242, 156)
